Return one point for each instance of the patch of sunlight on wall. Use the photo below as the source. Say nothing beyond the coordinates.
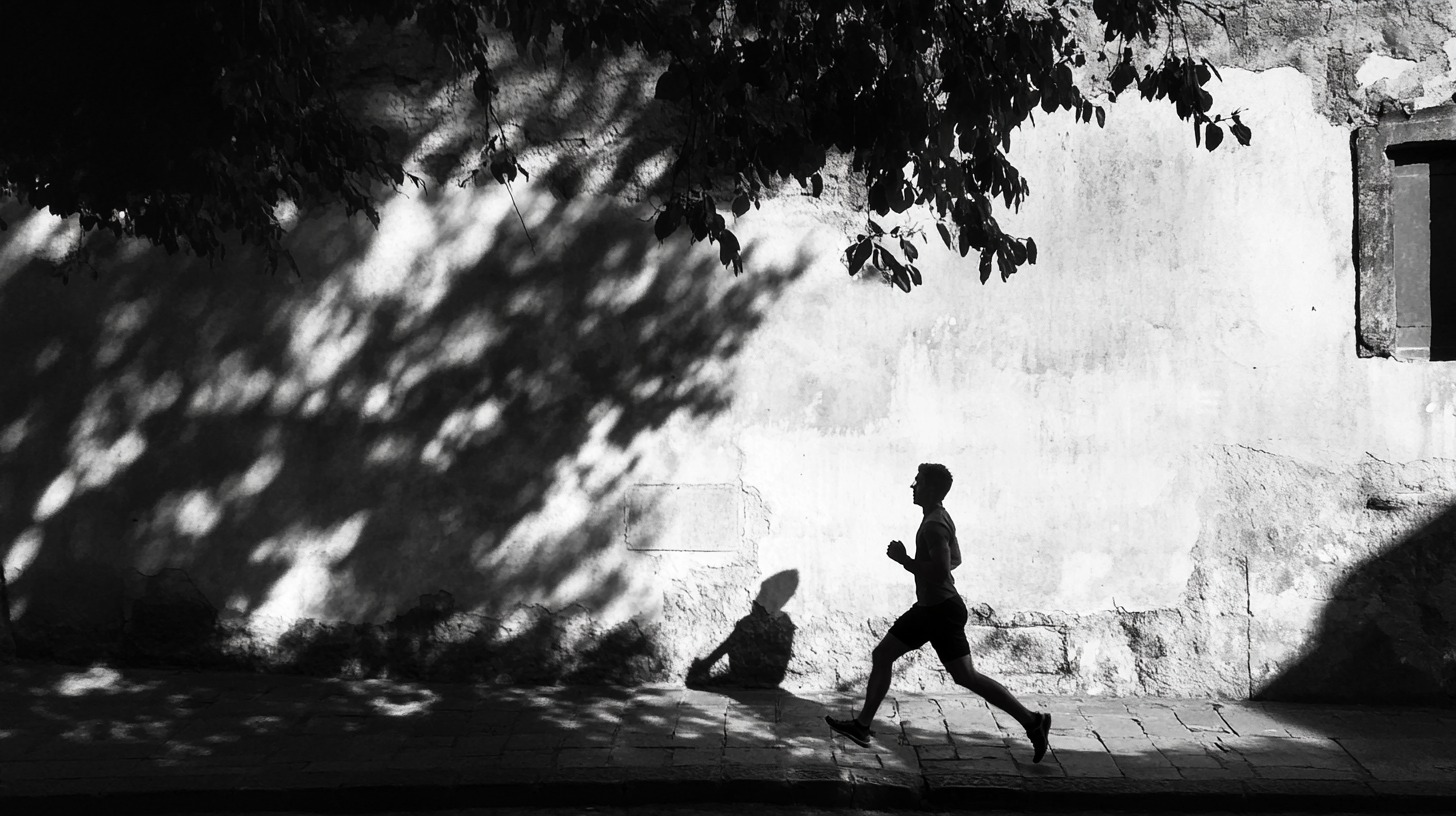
(423, 242)
(459, 430)
(120, 324)
(232, 386)
(305, 588)
(55, 496)
(197, 514)
(97, 465)
(256, 478)
(22, 552)
(15, 433)
(41, 236)
(326, 335)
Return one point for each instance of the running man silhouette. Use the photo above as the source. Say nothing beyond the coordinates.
(938, 616)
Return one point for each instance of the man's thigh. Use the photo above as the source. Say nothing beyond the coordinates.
(892, 648)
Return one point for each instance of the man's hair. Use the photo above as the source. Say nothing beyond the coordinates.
(937, 478)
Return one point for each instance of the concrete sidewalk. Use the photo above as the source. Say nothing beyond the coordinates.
(158, 741)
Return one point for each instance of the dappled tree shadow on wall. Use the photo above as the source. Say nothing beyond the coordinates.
(1388, 633)
(349, 435)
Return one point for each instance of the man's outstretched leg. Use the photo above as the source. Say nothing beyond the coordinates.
(882, 664)
(1038, 724)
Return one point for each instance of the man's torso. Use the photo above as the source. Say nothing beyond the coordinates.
(931, 590)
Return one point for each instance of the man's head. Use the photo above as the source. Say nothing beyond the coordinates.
(932, 482)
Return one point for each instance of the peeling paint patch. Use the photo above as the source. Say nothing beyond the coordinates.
(1377, 67)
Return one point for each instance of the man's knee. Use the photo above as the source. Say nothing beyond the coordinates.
(961, 670)
(889, 650)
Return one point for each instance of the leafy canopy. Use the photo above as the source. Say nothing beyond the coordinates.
(193, 122)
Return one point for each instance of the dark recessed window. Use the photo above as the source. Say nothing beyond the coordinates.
(1406, 229)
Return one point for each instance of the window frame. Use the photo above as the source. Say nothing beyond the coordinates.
(1375, 272)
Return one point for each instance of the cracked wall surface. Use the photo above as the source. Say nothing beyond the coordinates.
(458, 448)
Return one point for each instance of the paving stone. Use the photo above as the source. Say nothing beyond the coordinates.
(752, 756)
(924, 734)
(847, 759)
(481, 744)
(1132, 748)
(1250, 720)
(1278, 772)
(697, 756)
(1289, 752)
(1201, 718)
(583, 757)
(801, 756)
(933, 753)
(534, 742)
(984, 752)
(72, 769)
(1006, 723)
(1226, 772)
(1159, 722)
(1091, 708)
(1188, 753)
(587, 739)
(523, 759)
(641, 757)
(421, 758)
(1150, 772)
(628, 738)
(1091, 765)
(1107, 726)
(899, 758)
(991, 765)
(1403, 759)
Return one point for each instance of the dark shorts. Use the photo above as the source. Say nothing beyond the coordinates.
(943, 625)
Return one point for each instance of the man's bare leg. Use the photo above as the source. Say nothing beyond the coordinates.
(882, 664)
(964, 673)
(1036, 724)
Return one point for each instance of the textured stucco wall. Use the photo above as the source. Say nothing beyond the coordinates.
(451, 449)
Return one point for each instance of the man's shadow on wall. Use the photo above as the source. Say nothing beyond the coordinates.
(755, 658)
(760, 646)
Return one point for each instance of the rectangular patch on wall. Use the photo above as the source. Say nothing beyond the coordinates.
(683, 518)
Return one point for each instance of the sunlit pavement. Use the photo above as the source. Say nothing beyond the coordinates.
(158, 740)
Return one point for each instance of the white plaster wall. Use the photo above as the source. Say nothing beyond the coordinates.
(1185, 303)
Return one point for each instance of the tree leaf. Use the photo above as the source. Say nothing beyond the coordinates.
(727, 247)
(1214, 137)
(740, 204)
(945, 235)
(667, 221)
(858, 254)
